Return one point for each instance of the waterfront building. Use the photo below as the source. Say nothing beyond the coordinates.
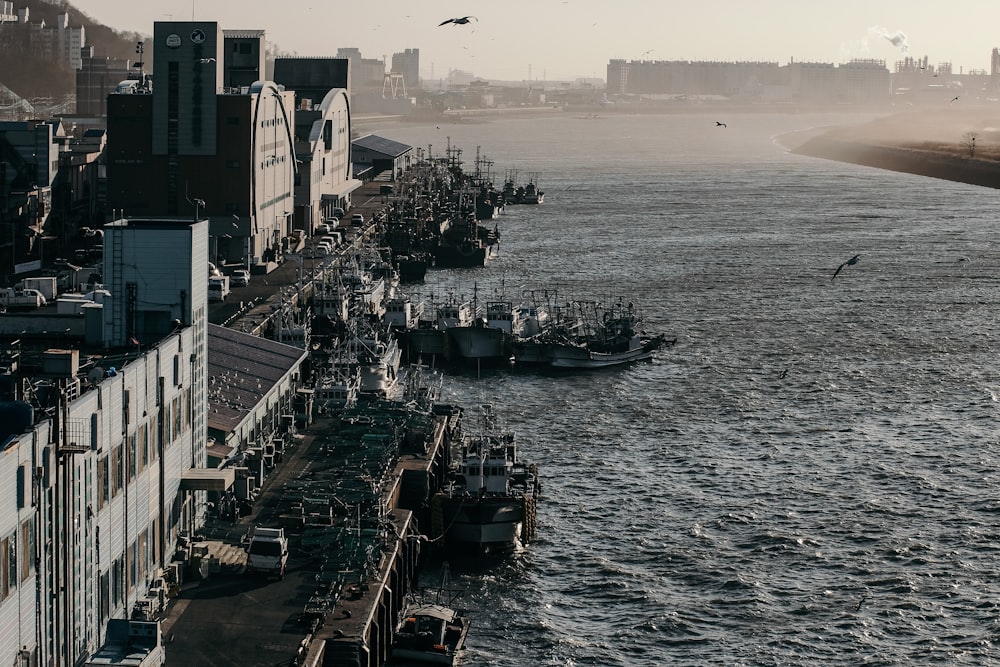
(103, 473)
(192, 144)
(857, 81)
(378, 155)
(251, 390)
(325, 180)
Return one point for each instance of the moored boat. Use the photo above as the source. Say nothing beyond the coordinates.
(488, 507)
(582, 355)
(430, 633)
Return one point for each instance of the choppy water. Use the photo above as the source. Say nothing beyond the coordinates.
(810, 475)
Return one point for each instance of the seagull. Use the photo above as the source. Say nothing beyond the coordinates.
(851, 262)
(462, 20)
(954, 98)
(719, 123)
(205, 61)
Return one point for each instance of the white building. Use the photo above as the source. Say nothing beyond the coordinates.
(94, 498)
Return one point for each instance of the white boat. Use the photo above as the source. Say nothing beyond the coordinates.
(580, 355)
(489, 505)
(611, 338)
(378, 357)
(338, 388)
(430, 337)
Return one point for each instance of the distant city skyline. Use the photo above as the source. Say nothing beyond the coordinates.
(570, 39)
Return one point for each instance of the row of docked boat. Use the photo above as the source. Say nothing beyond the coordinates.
(487, 506)
(575, 335)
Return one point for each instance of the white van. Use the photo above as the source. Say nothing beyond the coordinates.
(267, 551)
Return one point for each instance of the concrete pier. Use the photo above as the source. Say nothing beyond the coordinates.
(318, 614)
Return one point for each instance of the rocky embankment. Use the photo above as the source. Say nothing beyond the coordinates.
(935, 144)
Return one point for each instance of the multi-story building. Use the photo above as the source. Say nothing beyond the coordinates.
(325, 180)
(97, 78)
(96, 484)
(243, 60)
(857, 81)
(407, 63)
(60, 41)
(195, 145)
(29, 161)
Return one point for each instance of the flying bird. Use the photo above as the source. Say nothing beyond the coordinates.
(461, 20)
(954, 98)
(851, 262)
(719, 123)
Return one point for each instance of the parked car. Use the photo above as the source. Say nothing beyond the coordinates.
(338, 213)
(267, 551)
(240, 278)
(357, 220)
(322, 228)
(333, 239)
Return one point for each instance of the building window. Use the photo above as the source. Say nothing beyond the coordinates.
(4, 564)
(143, 447)
(133, 457)
(232, 120)
(102, 482)
(232, 164)
(116, 471)
(27, 549)
(12, 561)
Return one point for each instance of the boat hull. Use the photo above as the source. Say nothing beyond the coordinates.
(480, 343)
(579, 356)
(483, 525)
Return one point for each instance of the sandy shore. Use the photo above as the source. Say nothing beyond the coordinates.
(934, 144)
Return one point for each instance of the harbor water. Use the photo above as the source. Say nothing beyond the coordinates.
(810, 475)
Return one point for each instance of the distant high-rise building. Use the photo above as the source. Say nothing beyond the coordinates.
(407, 63)
(95, 80)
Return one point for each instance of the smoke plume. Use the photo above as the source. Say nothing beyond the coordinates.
(897, 39)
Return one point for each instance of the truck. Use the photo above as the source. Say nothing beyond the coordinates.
(21, 299)
(267, 551)
(218, 288)
(135, 643)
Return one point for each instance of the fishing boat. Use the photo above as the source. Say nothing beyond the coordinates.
(583, 355)
(338, 388)
(515, 193)
(430, 339)
(611, 339)
(488, 505)
(491, 338)
(430, 633)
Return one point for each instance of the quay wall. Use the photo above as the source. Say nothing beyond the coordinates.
(359, 633)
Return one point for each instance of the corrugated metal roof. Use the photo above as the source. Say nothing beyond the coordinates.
(242, 369)
(382, 145)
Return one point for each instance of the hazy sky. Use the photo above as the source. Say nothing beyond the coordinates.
(567, 39)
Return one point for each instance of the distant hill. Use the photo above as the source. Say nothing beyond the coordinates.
(34, 77)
